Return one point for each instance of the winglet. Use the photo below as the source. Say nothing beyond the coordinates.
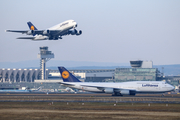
(67, 76)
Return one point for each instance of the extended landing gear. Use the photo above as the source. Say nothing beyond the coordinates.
(55, 38)
(60, 37)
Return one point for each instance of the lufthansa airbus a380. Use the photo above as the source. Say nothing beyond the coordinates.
(119, 89)
(53, 33)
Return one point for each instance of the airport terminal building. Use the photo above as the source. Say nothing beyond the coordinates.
(136, 74)
(20, 75)
(139, 71)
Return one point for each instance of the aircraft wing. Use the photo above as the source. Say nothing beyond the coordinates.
(46, 32)
(104, 87)
(98, 87)
(39, 32)
(18, 31)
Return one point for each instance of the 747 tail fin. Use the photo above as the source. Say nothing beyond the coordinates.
(31, 26)
(67, 76)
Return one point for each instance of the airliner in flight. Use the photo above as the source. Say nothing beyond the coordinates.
(53, 33)
(117, 89)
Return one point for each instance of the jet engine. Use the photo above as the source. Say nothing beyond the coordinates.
(109, 90)
(124, 92)
(30, 32)
(73, 32)
(79, 32)
(46, 32)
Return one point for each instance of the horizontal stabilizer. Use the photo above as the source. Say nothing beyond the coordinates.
(66, 84)
(25, 38)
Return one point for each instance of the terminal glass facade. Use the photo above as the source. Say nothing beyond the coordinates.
(135, 74)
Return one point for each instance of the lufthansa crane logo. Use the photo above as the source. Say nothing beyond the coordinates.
(65, 74)
(32, 27)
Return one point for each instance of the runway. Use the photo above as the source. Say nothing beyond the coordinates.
(88, 106)
(80, 97)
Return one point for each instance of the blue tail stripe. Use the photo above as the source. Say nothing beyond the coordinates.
(67, 76)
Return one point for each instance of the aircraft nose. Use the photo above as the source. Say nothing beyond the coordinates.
(172, 87)
(75, 24)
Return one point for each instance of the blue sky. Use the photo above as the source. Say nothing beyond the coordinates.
(113, 31)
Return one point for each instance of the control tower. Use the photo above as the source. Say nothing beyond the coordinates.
(136, 63)
(44, 56)
(141, 64)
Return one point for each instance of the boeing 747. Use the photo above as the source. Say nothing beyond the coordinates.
(118, 89)
(53, 33)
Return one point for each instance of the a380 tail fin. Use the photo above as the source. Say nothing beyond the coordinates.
(67, 76)
(31, 26)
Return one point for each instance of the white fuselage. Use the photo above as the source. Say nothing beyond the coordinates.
(62, 28)
(69, 24)
(137, 86)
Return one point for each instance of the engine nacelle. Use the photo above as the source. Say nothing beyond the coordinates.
(30, 32)
(79, 32)
(46, 32)
(109, 90)
(73, 32)
(124, 92)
